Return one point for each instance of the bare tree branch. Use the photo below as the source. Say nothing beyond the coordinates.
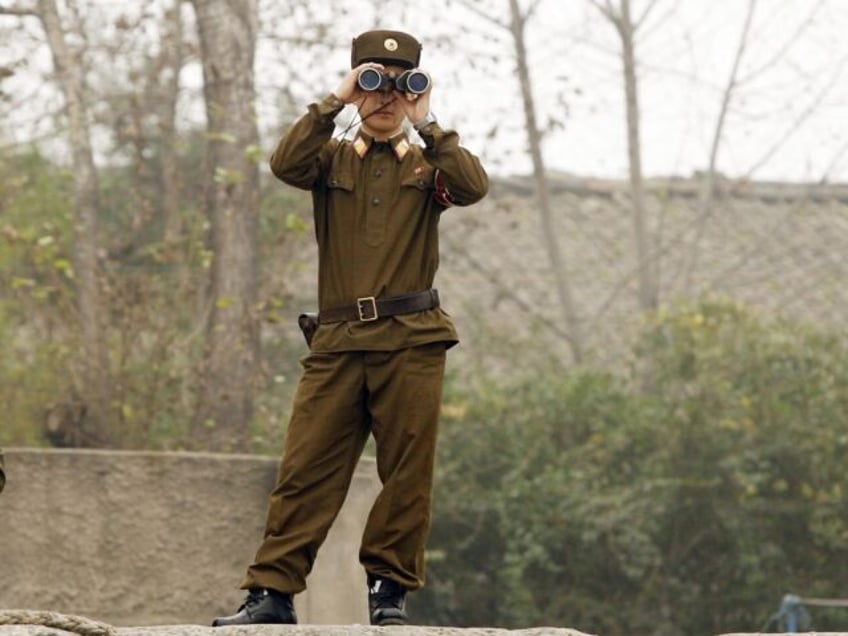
(17, 10)
(732, 83)
(641, 19)
(606, 10)
(836, 159)
(648, 268)
(705, 202)
(532, 9)
(505, 290)
(781, 52)
(562, 277)
(488, 17)
(801, 118)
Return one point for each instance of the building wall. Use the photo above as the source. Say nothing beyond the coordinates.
(141, 538)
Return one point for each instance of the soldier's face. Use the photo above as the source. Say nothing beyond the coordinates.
(381, 110)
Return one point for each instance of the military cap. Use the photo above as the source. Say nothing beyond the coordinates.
(386, 47)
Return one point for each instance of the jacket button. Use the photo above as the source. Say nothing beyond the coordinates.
(376, 200)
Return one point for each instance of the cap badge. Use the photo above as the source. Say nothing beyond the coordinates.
(390, 44)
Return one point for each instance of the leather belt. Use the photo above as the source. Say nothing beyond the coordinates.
(369, 308)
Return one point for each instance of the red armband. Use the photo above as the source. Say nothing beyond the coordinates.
(442, 194)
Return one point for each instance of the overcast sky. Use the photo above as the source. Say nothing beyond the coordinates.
(788, 115)
(787, 119)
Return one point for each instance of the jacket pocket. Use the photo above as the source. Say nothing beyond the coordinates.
(340, 181)
(421, 178)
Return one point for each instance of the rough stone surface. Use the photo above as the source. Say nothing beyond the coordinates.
(302, 630)
(137, 538)
(334, 630)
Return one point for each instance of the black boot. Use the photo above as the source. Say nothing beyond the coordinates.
(262, 606)
(386, 601)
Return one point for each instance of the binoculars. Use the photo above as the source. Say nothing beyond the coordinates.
(411, 81)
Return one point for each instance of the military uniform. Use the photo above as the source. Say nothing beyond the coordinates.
(377, 206)
(376, 210)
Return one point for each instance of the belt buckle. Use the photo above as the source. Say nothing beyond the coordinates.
(366, 307)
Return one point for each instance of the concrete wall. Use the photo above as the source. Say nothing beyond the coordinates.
(138, 538)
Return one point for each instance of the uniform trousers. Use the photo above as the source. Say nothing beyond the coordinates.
(340, 400)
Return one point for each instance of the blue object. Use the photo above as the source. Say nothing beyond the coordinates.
(792, 617)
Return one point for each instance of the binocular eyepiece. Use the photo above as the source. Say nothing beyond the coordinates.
(411, 81)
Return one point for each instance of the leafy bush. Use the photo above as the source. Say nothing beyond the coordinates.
(36, 291)
(153, 292)
(582, 499)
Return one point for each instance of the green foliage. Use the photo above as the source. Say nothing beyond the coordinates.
(581, 499)
(36, 290)
(154, 295)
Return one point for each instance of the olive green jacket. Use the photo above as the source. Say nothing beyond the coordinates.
(376, 209)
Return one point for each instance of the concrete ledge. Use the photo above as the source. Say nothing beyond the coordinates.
(301, 630)
(141, 538)
(334, 630)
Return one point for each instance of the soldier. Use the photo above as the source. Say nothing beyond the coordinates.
(377, 351)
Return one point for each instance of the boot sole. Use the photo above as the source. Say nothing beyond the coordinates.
(390, 620)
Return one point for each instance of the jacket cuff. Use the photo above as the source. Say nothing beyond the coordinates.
(327, 108)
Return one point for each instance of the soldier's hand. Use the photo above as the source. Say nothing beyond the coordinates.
(349, 90)
(415, 106)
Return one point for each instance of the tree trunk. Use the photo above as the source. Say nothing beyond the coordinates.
(94, 379)
(534, 141)
(172, 59)
(227, 32)
(648, 285)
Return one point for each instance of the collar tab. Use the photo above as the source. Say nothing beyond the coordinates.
(363, 141)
